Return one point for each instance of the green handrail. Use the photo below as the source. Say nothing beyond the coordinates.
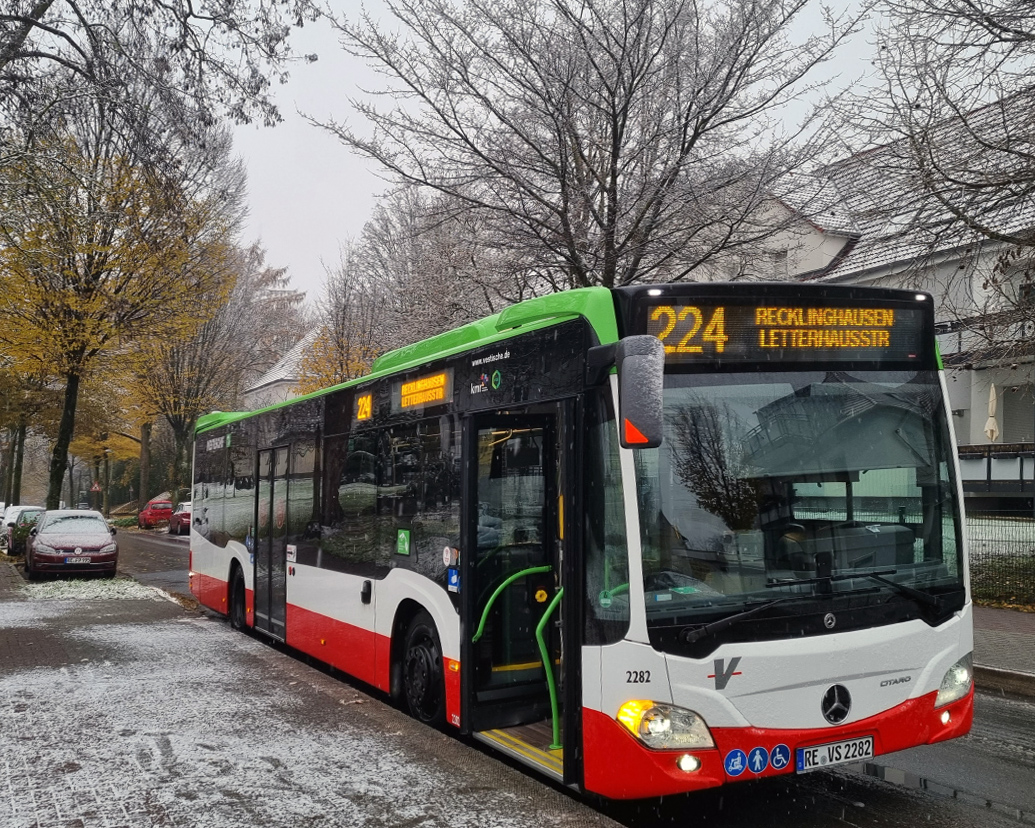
(535, 570)
(556, 745)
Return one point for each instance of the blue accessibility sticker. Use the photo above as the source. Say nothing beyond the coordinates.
(780, 758)
(735, 762)
(758, 759)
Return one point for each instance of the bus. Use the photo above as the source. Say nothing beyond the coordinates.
(644, 540)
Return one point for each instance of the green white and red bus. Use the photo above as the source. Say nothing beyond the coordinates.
(645, 540)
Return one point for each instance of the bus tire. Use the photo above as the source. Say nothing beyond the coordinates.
(422, 675)
(238, 614)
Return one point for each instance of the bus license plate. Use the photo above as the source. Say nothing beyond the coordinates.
(834, 753)
(76, 560)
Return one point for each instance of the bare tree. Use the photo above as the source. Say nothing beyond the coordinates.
(958, 97)
(604, 142)
(350, 326)
(251, 321)
(221, 57)
(952, 124)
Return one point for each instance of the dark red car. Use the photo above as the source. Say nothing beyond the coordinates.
(179, 520)
(155, 513)
(74, 541)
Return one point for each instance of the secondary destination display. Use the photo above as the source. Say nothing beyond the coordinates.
(429, 389)
(786, 332)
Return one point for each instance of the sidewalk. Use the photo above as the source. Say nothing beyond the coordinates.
(1004, 640)
(1004, 651)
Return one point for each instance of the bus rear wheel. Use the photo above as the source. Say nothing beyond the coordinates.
(238, 619)
(423, 680)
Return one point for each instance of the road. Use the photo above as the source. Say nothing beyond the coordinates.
(145, 713)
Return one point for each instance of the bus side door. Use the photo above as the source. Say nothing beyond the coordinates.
(510, 580)
(271, 543)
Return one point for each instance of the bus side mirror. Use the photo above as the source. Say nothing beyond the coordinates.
(641, 376)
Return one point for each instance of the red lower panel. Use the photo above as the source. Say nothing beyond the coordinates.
(452, 669)
(346, 647)
(211, 592)
(616, 765)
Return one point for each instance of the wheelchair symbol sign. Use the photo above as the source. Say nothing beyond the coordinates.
(780, 757)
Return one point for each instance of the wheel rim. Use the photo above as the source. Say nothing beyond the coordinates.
(421, 677)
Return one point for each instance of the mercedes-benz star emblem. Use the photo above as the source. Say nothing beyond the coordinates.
(837, 702)
(829, 621)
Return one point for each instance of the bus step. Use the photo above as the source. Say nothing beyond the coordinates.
(514, 742)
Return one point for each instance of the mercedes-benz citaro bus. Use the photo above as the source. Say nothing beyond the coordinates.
(646, 540)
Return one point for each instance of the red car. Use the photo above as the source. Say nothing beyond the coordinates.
(155, 513)
(179, 520)
(71, 540)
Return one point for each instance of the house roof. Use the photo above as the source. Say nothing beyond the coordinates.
(287, 367)
(896, 220)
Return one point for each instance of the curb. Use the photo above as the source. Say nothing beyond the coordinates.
(1004, 682)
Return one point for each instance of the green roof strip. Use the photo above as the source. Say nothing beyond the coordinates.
(595, 304)
(215, 419)
(468, 334)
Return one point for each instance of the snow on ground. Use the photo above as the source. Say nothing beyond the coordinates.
(91, 589)
(185, 723)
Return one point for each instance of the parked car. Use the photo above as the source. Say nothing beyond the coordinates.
(17, 522)
(179, 520)
(71, 540)
(155, 513)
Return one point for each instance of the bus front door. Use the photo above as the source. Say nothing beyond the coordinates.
(271, 543)
(510, 586)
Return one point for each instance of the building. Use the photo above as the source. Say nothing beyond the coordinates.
(862, 221)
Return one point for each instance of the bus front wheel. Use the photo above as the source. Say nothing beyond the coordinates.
(423, 681)
(237, 599)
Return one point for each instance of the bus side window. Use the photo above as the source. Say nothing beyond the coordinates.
(606, 562)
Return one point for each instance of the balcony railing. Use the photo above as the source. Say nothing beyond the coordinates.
(1001, 468)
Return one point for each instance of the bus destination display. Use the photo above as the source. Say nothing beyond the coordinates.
(422, 391)
(792, 332)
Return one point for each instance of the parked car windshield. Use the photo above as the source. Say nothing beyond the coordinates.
(75, 524)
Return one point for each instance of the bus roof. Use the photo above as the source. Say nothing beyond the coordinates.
(595, 304)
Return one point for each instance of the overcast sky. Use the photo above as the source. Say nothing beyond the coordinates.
(307, 192)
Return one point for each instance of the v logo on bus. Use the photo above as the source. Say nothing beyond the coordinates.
(723, 674)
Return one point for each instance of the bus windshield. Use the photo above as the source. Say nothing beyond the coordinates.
(800, 487)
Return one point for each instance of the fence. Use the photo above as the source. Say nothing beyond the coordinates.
(1002, 558)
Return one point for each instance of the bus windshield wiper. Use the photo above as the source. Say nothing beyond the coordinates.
(901, 589)
(878, 576)
(688, 635)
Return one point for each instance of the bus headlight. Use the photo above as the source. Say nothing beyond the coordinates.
(957, 681)
(664, 726)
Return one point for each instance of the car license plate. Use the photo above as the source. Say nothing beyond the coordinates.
(76, 560)
(834, 753)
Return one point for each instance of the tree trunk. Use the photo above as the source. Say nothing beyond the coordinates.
(8, 466)
(66, 429)
(145, 464)
(106, 510)
(181, 468)
(19, 462)
(73, 499)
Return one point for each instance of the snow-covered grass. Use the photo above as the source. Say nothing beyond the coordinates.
(91, 589)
